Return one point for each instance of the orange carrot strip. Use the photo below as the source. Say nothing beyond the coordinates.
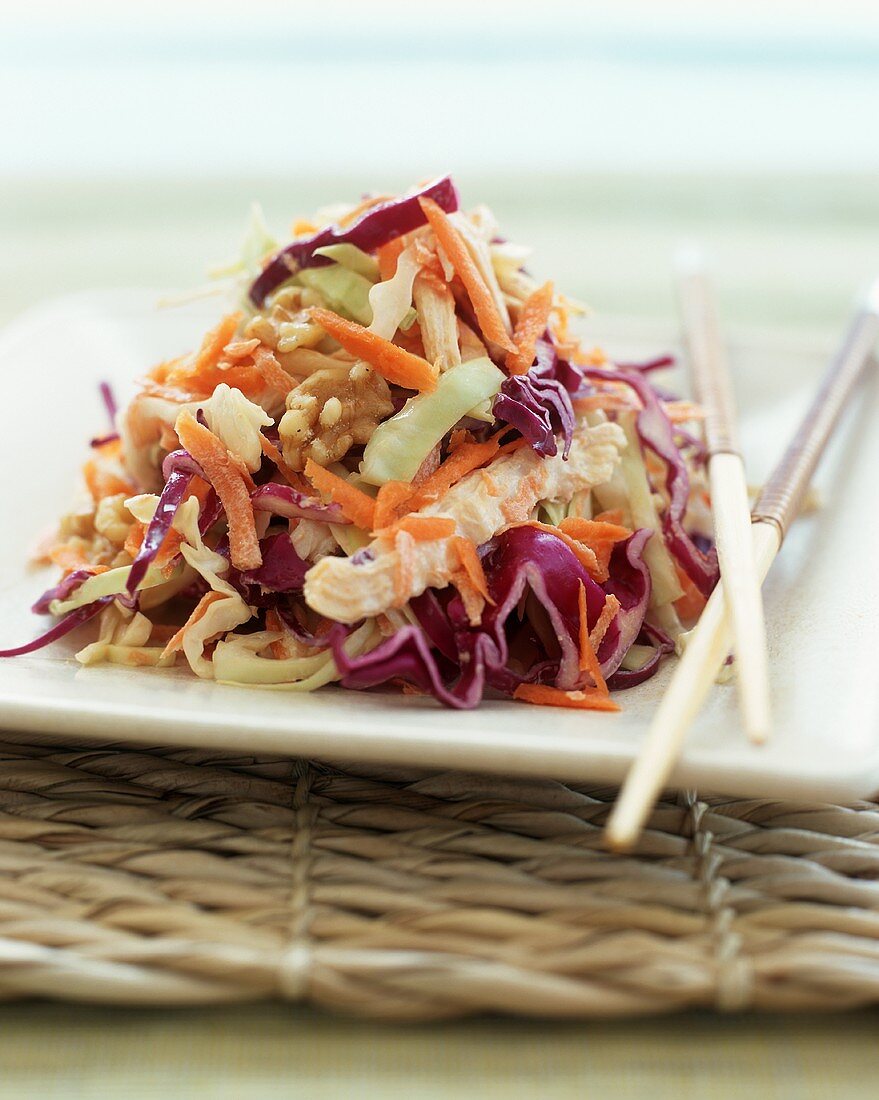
(421, 528)
(389, 504)
(280, 649)
(584, 554)
(274, 455)
(607, 402)
(462, 461)
(530, 326)
(690, 605)
(599, 536)
(404, 544)
(69, 556)
(588, 657)
(268, 366)
(212, 346)
(387, 256)
(176, 643)
(355, 505)
(213, 457)
(393, 363)
(608, 612)
(611, 515)
(545, 696)
(480, 296)
(134, 538)
(472, 566)
(104, 483)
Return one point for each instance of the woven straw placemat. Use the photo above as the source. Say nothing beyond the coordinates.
(188, 877)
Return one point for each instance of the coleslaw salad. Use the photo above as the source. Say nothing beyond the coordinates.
(392, 465)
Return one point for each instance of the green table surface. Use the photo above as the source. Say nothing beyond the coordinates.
(788, 252)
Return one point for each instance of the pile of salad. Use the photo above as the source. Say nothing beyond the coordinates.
(392, 465)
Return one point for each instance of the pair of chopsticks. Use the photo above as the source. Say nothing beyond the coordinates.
(729, 619)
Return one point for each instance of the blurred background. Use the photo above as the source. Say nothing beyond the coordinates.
(136, 136)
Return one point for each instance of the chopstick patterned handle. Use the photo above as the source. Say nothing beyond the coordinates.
(711, 385)
(782, 496)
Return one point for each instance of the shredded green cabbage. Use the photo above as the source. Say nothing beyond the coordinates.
(401, 443)
(353, 258)
(236, 662)
(344, 291)
(629, 490)
(110, 583)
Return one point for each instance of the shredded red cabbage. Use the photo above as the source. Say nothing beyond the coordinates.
(538, 404)
(61, 591)
(175, 490)
(455, 663)
(657, 432)
(539, 408)
(110, 403)
(662, 645)
(376, 227)
(70, 622)
(645, 366)
(182, 462)
(282, 569)
(282, 500)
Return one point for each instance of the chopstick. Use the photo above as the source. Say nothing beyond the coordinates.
(709, 642)
(731, 510)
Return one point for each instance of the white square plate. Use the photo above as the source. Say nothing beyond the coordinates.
(822, 596)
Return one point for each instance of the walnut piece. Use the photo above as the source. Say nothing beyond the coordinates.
(330, 412)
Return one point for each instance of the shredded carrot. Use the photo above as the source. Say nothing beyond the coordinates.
(212, 346)
(230, 486)
(404, 544)
(302, 228)
(530, 326)
(134, 538)
(393, 363)
(690, 605)
(603, 401)
(387, 256)
(472, 566)
(584, 554)
(610, 515)
(71, 555)
(390, 502)
(466, 458)
(355, 505)
(599, 536)
(102, 482)
(480, 296)
(593, 357)
(274, 455)
(274, 374)
(421, 528)
(280, 648)
(608, 613)
(588, 657)
(545, 696)
(199, 612)
(194, 377)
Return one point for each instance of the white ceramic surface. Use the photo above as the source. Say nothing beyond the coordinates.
(822, 596)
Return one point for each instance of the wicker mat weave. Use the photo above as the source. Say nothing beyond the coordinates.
(159, 877)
